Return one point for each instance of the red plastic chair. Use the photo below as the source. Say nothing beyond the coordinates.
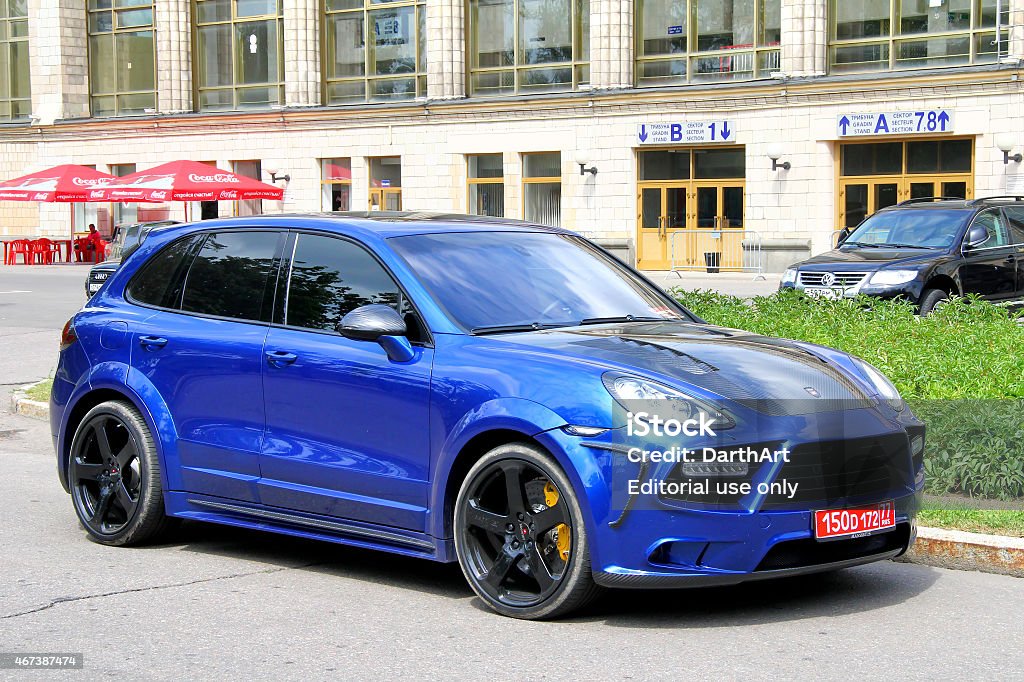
(20, 246)
(41, 251)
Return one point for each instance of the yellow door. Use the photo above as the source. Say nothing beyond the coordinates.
(386, 199)
(651, 254)
(662, 213)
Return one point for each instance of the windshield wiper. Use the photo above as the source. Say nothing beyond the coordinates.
(512, 328)
(620, 319)
(868, 245)
(905, 246)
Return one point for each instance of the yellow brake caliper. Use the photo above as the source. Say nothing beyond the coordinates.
(563, 537)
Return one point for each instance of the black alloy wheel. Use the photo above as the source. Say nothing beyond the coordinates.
(519, 535)
(115, 476)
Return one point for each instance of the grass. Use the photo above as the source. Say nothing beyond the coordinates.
(40, 392)
(991, 521)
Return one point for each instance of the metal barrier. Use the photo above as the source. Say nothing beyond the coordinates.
(835, 238)
(712, 250)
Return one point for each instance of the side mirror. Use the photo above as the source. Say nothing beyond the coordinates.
(976, 236)
(844, 234)
(382, 324)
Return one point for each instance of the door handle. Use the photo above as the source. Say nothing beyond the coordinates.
(280, 358)
(152, 342)
(1011, 259)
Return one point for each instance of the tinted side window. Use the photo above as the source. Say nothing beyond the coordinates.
(232, 276)
(998, 234)
(1015, 214)
(160, 280)
(332, 277)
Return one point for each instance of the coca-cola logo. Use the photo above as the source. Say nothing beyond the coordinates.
(229, 195)
(159, 195)
(39, 196)
(96, 194)
(86, 182)
(219, 177)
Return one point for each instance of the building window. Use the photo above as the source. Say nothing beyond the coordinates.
(681, 41)
(238, 63)
(122, 57)
(386, 183)
(375, 50)
(913, 34)
(524, 46)
(15, 88)
(542, 188)
(486, 185)
(336, 184)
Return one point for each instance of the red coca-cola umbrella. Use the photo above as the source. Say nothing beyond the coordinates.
(67, 183)
(185, 181)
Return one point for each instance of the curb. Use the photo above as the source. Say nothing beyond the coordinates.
(939, 547)
(20, 404)
(963, 551)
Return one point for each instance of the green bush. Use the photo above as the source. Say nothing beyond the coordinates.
(960, 369)
(965, 349)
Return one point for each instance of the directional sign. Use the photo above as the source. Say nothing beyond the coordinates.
(686, 132)
(895, 123)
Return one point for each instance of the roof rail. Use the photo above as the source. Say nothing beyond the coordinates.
(1002, 197)
(925, 200)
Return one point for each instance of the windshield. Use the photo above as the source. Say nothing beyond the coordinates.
(117, 246)
(926, 228)
(498, 279)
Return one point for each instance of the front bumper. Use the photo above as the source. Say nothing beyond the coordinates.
(910, 291)
(732, 550)
(659, 542)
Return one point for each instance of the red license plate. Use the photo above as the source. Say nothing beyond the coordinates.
(840, 523)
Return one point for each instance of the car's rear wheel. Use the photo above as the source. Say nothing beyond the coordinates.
(520, 535)
(931, 299)
(115, 477)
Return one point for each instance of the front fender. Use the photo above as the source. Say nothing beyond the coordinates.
(535, 422)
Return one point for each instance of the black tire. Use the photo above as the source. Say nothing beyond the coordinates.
(930, 299)
(114, 475)
(513, 559)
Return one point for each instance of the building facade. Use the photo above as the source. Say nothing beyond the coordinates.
(636, 122)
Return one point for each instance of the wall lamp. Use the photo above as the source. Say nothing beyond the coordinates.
(583, 159)
(274, 177)
(1004, 141)
(775, 152)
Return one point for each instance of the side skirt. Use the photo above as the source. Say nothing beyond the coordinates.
(287, 522)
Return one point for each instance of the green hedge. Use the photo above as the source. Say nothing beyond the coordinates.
(961, 369)
(965, 349)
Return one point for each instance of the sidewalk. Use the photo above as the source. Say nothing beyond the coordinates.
(732, 283)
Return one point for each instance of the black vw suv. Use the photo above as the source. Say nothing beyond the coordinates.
(924, 250)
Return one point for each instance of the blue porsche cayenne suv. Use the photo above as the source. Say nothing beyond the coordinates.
(504, 395)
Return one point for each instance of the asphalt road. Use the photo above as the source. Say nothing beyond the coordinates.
(225, 603)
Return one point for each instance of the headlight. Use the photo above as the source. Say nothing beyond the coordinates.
(626, 388)
(881, 384)
(789, 276)
(889, 278)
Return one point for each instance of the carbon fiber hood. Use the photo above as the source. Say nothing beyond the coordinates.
(772, 376)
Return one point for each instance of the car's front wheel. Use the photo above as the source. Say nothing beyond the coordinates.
(115, 477)
(520, 535)
(932, 299)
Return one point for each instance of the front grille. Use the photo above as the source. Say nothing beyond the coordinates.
(835, 474)
(842, 279)
(810, 552)
(828, 475)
